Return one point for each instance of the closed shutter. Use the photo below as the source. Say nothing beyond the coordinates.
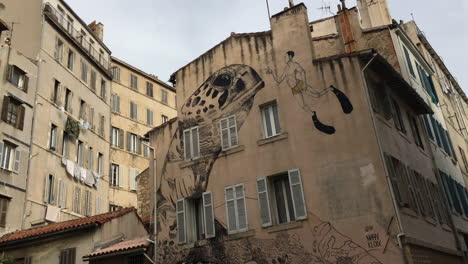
(233, 131)
(263, 202)
(59, 193)
(1, 154)
(181, 230)
(20, 122)
(225, 134)
(91, 118)
(46, 189)
(3, 211)
(230, 209)
(128, 141)
(132, 179)
(297, 193)
(121, 176)
(195, 143)
(241, 209)
(26, 83)
(90, 158)
(276, 119)
(10, 73)
(118, 104)
(209, 215)
(6, 102)
(16, 165)
(121, 138)
(187, 145)
(138, 145)
(98, 205)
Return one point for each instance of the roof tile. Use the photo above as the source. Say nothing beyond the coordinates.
(122, 246)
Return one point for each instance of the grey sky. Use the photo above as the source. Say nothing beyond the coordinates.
(160, 36)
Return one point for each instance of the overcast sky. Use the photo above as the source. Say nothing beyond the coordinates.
(160, 36)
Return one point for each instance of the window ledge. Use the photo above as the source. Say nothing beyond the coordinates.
(284, 227)
(189, 163)
(244, 234)
(409, 212)
(431, 221)
(272, 139)
(446, 228)
(199, 243)
(231, 151)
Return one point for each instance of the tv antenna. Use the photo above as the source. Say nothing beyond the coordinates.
(326, 9)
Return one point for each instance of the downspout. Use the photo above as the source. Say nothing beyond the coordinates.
(389, 183)
(39, 62)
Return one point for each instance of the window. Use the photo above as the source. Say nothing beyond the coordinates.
(68, 100)
(415, 129)
(61, 14)
(91, 44)
(90, 158)
(77, 200)
(62, 194)
(53, 137)
(281, 198)
(164, 119)
(115, 175)
(3, 210)
(378, 93)
(228, 132)
(93, 80)
(427, 83)
(465, 161)
(146, 147)
(137, 259)
(397, 117)
(65, 145)
(71, 60)
(115, 137)
(149, 89)
(100, 162)
(115, 103)
(13, 112)
(271, 126)
(116, 73)
(133, 81)
(236, 210)
(101, 56)
(133, 174)
(69, 25)
(79, 153)
(149, 117)
(132, 141)
(10, 156)
(400, 185)
(82, 110)
(164, 96)
(195, 218)
(191, 144)
(67, 256)
(82, 37)
(59, 50)
(84, 71)
(18, 77)
(88, 203)
(91, 118)
(133, 111)
(103, 89)
(102, 124)
(408, 61)
(113, 207)
(56, 93)
(49, 190)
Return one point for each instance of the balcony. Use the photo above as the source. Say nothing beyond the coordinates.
(77, 37)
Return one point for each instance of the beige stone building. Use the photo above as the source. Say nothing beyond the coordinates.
(69, 150)
(310, 143)
(139, 102)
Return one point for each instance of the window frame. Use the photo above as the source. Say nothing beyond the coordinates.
(190, 131)
(270, 106)
(235, 199)
(115, 175)
(133, 81)
(228, 129)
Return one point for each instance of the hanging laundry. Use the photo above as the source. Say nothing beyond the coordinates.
(89, 178)
(64, 161)
(70, 168)
(83, 175)
(77, 172)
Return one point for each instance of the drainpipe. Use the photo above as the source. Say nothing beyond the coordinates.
(389, 183)
(155, 201)
(39, 62)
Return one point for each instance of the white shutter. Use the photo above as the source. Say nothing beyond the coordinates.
(98, 205)
(195, 143)
(297, 193)
(224, 134)
(263, 202)
(1, 154)
(121, 176)
(230, 209)
(241, 210)
(46, 189)
(132, 179)
(59, 193)
(233, 131)
(64, 194)
(181, 229)
(17, 161)
(209, 215)
(187, 145)
(118, 104)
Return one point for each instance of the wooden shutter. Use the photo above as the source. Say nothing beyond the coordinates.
(233, 131)
(138, 145)
(46, 189)
(121, 176)
(16, 165)
(3, 211)
(181, 229)
(132, 179)
(241, 210)
(20, 121)
(118, 103)
(230, 209)
(195, 143)
(264, 202)
(91, 118)
(187, 145)
(59, 193)
(209, 215)
(1, 154)
(297, 193)
(121, 138)
(6, 102)
(224, 133)
(128, 141)
(10, 73)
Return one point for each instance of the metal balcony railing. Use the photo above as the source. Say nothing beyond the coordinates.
(77, 35)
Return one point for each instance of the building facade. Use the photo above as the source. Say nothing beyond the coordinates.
(140, 101)
(308, 143)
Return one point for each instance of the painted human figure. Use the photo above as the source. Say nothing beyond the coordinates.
(296, 78)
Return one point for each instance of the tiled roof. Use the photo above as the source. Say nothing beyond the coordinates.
(122, 246)
(172, 120)
(64, 226)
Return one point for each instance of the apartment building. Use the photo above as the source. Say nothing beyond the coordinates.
(308, 143)
(18, 76)
(139, 102)
(69, 152)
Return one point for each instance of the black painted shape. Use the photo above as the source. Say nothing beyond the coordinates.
(240, 85)
(198, 111)
(211, 106)
(215, 94)
(196, 101)
(322, 127)
(343, 99)
(202, 103)
(223, 98)
(205, 109)
(223, 80)
(206, 86)
(197, 92)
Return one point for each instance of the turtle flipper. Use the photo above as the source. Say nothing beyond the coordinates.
(343, 99)
(322, 127)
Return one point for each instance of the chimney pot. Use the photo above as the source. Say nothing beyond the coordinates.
(339, 8)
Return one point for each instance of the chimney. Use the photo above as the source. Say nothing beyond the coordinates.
(374, 13)
(98, 29)
(346, 29)
(291, 3)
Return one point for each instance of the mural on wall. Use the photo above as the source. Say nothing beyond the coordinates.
(306, 96)
(231, 92)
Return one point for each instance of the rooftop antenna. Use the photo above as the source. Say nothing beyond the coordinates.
(412, 16)
(326, 9)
